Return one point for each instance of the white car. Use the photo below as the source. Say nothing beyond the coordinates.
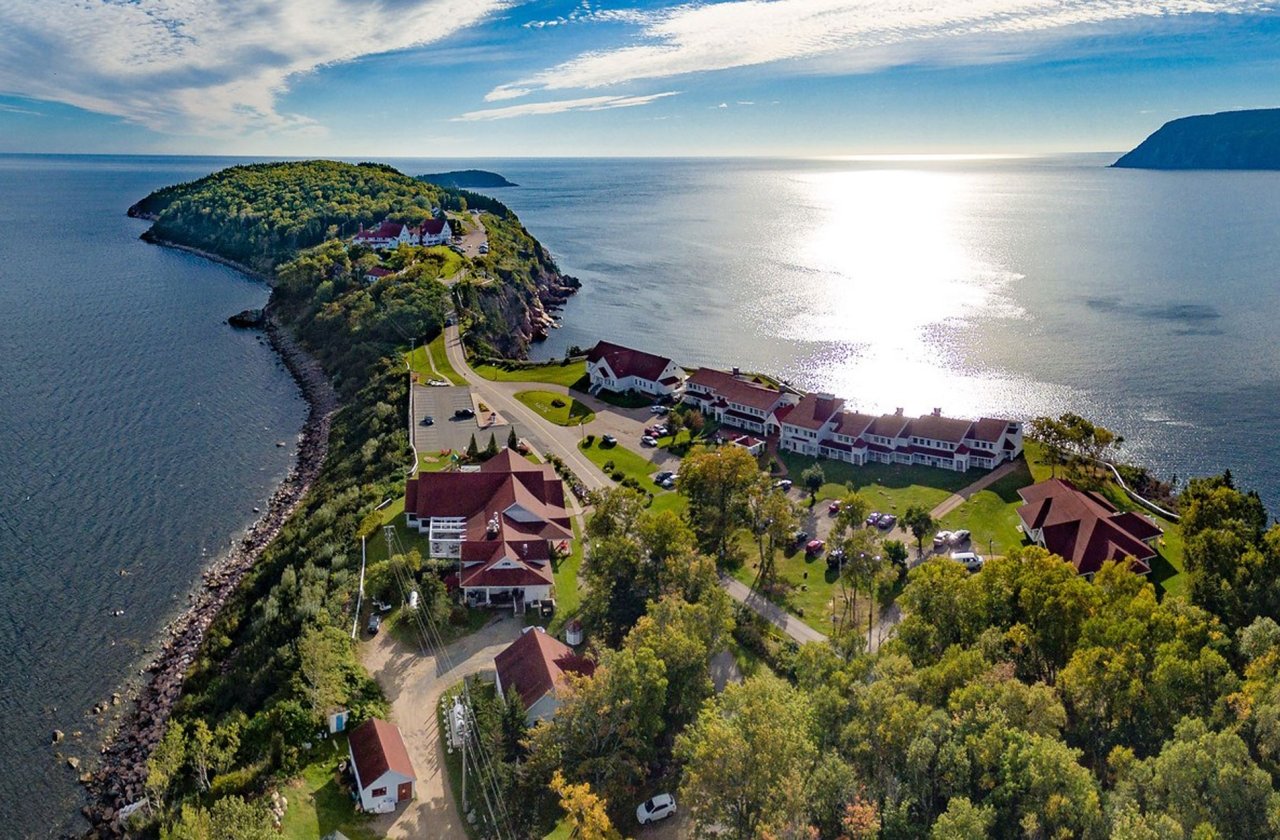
(942, 539)
(648, 440)
(960, 537)
(971, 561)
(659, 808)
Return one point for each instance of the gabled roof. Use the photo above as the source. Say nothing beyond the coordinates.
(1084, 528)
(379, 271)
(989, 429)
(937, 427)
(887, 425)
(376, 747)
(735, 389)
(813, 411)
(851, 423)
(385, 230)
(624, 361)
(536, 663)
(432, 227)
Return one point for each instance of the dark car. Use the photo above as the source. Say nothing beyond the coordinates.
(834, 558)
(428, 420)
(375, 621)
(463, 414)
(800, 537)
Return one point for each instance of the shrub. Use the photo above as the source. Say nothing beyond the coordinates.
(618, 475)
(558, 403)
(591, 439)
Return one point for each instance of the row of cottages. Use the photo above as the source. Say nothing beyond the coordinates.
(612, 367)
(499, 523)
(737, 401)
(819, 425)
(534, 666)
(389, 235)
(380, 762)
(1084, 528)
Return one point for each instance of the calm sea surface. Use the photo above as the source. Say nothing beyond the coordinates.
(137, 431)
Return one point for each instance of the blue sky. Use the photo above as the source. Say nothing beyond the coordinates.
(470, 78)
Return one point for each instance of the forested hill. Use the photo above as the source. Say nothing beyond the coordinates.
(263, 215)
(472, 179)
(1227, 140)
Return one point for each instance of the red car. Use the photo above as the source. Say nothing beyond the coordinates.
(814, 547)
(833, 508)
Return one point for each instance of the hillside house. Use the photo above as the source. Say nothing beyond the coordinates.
(612, 367)
(380, 763)
(390, 235)
(534, 666)
(1084, 528)
(738, 402)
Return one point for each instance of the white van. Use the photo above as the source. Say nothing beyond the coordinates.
(971, 561)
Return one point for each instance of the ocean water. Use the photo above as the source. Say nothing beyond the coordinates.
(1147, 301)
(137, 433)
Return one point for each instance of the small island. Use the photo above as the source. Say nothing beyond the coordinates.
(467, 179)
(1227, 140)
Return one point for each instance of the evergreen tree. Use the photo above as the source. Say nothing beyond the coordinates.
(473, 451)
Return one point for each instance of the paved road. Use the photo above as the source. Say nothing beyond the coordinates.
(780, 618)
(414, 684)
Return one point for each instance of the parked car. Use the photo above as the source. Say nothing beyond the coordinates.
(522, 447)
(960, 537)
(428, 420)
(658, 408)
(375, 621)
(648, 440)
(784, 484)
(663, 476)
(873, 519)
(834, 507)
(834, 558)
(800, 537)
(941, 540)
(971, 561)
(609, 439)
(814, 547)
(887, 521)
(463, 414)
(659, 808)
(668, 483)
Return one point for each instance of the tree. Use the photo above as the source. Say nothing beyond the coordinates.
(513, 441)
(683, 636)
(921, 524)
(492, 448)
(473, 451)
(773, 520)
(716, 482)
(895, 552)
(586, 812)
(166, 761)
(813, 478)
(746, 758)
(963, 821)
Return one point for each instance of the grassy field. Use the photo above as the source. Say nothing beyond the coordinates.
(552, 373)
(569, 412)
(890, 488)
(812, 585)
(568, 592)
(992, 514)
(633, 466)
(419, 364)
(317, 805)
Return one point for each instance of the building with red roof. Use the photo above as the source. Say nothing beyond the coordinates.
(376, 273)
(612, 367)
(738, 401)
(499, 523)
(534, 666)
(810, 422)
(388, 234)
(1084, 528)
(384, 775)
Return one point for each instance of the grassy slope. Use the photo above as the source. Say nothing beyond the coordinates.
(634, 466)
(553, 373)
(420, 365)
(992, 515)
(570, 412)
(890, 488)
(317, 805)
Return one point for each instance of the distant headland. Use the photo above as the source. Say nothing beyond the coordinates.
(467, 179)
(1227, 140)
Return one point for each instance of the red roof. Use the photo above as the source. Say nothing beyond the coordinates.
(1084, 528)
(379, 271)
(431, 227)
(937, 427)
(735, 389)
(385, 230)
(989, 429)
(813, 411)
(851, 423)
(536, 663)
(624, 361)
(887, 425)
(376, 747)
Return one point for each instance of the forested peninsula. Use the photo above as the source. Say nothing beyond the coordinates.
(250, 691)
(1226, 140)
(468, 179)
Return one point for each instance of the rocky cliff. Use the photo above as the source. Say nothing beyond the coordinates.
(1227, 140)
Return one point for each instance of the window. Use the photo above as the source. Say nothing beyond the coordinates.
(378, 792)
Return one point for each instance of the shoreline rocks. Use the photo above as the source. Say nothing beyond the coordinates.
(119, 778)
(249, 319)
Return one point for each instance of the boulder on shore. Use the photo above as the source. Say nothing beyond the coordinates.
(249, 319)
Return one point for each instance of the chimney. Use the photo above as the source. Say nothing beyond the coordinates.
(937, 412)
(897, 412)
(737, 372)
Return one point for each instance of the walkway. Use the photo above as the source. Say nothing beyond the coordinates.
(771, 612)
(963, 495)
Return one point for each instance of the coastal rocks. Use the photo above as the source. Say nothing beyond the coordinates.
(58, 736)
(120, 776)
(73, 762)
(249, 319)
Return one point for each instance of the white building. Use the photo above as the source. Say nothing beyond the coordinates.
(389, 235)
(380, 763)
(736, 401)
(612, 367)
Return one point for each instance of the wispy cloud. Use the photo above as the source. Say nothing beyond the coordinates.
(867, 34)
(14, 109)
(584, 12)
(590, 103)
(204, 66)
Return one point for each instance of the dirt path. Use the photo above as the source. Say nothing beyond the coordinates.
(414, 684)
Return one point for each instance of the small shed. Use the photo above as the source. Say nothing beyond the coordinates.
(383, 773)
(573, 633)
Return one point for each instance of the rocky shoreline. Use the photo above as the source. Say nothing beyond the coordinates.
(119, 777)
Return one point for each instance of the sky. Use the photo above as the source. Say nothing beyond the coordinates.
(502, 78)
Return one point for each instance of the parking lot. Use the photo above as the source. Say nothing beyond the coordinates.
(446, 432)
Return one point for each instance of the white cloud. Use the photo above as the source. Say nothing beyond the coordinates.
(860, 35)
(590, 103)
(212, 67)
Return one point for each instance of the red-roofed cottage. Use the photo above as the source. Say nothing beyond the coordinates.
(499, 523)
(389, 235)
(383, 773)
(1084, 528)
(736, 401)
(534, 666)
(612, 367)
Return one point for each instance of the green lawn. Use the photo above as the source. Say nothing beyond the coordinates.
(992, 514)
(552, 373)
(418, 362)
(568, 412)
(317, 805)
(453, 762)
(812, 586)
(633, 466)
(890, 488)
(627, 400)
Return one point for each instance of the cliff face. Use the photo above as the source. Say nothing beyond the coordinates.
(1228, 140)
